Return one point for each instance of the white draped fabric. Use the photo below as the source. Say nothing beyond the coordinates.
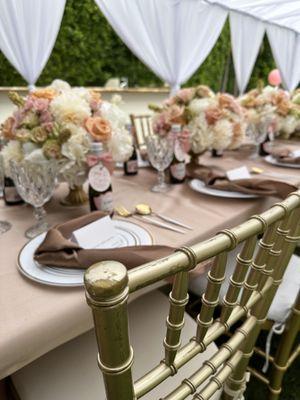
(281, 19)
(172, 37)
(28, 30)
(246, 36)
(285, 46)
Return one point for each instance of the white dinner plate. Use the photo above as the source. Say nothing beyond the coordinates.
(129, 234)
(272, 160)
(199, 186)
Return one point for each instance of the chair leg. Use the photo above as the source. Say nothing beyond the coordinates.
(281, 360)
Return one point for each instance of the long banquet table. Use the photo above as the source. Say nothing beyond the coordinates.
(36, 318)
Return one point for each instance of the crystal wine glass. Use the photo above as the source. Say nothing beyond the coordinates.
(258, 132)
(35, 183)
(160, 153)
(4, 225)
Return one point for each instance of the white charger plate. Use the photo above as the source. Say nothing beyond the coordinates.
(199, 186)
(272, 160)
(129, 234)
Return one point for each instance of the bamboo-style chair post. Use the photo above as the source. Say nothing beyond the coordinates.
(210, 298)
(107, 291)
(276, 261)
(175, 321)
(284, 356)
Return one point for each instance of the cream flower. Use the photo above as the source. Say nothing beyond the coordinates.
(223, 133)
(117, 117)
(200, 134)
(60, 86)
(76, 147)
(120, 145)
(11, 151)
(199, 105)
(36, 156)
(69, 107)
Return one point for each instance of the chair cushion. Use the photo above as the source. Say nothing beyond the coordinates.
(285, 296)
(70, 371)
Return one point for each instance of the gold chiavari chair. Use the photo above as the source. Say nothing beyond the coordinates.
(69, 373)
(252, 288)
(142, 127)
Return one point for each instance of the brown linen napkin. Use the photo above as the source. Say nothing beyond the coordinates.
(58, 250)
(216, 178)
(284, 155)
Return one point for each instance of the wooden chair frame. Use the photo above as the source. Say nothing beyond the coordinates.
(108, 285)
(142, 127)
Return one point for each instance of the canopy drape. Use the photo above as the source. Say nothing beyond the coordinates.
(172, 37)
(28, 30)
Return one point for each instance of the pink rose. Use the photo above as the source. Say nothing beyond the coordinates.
(174, 114)
(161, 124)
(170, 101)
(229, 102)
(185, 95)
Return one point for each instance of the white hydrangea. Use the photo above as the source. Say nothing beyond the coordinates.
(70, 107)
(197, 106)
(120, 145)
(223, 134)
(200, 134)
(117, 117)
(11, 151)
(36, 156)
(60, 86)
(78, 145)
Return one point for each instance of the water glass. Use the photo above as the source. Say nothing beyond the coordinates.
(160, 152)
(4, 225)
(258, 133)
(35, 183)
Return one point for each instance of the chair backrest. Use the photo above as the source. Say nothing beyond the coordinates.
(259, 269)
(142, 127)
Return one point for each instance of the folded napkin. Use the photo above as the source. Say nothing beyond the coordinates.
(216, 178)
(284, 155)
(58, 250)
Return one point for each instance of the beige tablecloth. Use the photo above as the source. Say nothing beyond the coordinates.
(35, 318)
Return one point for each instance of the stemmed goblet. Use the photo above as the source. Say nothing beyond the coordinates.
(4, 225)
(160, 152)
(35, 182)
(258, 132)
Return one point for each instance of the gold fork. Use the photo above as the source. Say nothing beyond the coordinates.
(123, 212)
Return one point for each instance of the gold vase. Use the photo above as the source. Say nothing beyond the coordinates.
(76, 197)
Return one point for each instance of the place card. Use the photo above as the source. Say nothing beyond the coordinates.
(238, 173)
(295, 153)
(98, 234)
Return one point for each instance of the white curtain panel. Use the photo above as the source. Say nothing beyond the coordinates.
(28, 30)
(246, 37)
(285, 45)
(172, 37)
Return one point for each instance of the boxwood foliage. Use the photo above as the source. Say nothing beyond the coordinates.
(88, 52)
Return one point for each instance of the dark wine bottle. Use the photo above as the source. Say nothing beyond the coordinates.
(10, 194)
(177, 167)
(100, 187)
(131, 165)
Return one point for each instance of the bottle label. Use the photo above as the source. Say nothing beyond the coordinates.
(178, 151)
(178, 171)
(99, 178)
(132, 166)
(104, 202)
(11, 194)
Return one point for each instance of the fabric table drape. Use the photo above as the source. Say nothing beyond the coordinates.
(28, 30)
(172, 37)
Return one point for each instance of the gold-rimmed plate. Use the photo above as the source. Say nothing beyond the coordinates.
(128, 234)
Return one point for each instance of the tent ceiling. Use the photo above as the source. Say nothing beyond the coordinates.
(285, 13)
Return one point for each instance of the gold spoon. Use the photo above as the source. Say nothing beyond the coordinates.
(145, 209)
(123, 212)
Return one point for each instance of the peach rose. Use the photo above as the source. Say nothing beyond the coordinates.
(46, 93)
(175, 114)
(7, 128)
(185, 95)
(229, 102)
(212, 115)
(99, 128)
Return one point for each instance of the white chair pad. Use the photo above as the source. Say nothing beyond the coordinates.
(285, 296)
(70, 371)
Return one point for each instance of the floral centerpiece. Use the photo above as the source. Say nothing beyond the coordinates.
(214, 121)
(273, 106)
(59, 123)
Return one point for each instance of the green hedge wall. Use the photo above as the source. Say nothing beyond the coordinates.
(88, 52)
